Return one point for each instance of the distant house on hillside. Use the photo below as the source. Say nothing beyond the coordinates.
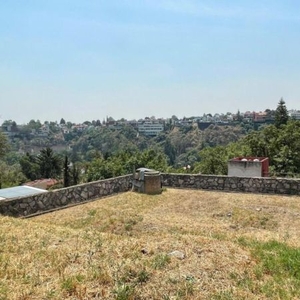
(294, 114)
(260, 117)
(150, 128)
(79, 127)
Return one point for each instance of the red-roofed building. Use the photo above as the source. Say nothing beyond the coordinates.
(44, 184)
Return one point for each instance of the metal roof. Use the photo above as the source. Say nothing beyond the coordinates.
(19, 191)
(145, 170)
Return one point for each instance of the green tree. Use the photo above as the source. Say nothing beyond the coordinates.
(49, 163)
(123, 162)
(66, 172)
(280, 144)
(286, 158)
(270, 114)
(281, 114)
(215, 160)
(10, 175)
(4, 146)
(75, 174)
(152, 159)
(284, 163)
(99, 169)
(239, 117)
(34, 124)
(170, 151)
(29, 166)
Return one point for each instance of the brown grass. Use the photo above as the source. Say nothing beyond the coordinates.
(117, 247)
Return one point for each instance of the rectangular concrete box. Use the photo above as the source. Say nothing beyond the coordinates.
(248, 167)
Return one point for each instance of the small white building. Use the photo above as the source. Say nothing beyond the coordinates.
(150, 128)
(294, 114)
(248, 167)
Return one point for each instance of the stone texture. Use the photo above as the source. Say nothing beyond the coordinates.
(177, 254)
(237, 184)
(73, 195)
(19, 207)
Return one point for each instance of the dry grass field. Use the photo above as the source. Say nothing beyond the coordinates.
(235, 246)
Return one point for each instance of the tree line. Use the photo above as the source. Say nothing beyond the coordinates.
(103, 154)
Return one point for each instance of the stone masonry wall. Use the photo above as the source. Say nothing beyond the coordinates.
(39, 203)
(30, 205)
(237, 184)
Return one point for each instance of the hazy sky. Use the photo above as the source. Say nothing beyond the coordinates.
(84, 60)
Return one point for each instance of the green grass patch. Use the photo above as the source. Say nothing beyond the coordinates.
(160, 261)
(277, 269)
(279, 259)
(124, 292)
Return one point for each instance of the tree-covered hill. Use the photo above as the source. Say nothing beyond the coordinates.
(92, 151)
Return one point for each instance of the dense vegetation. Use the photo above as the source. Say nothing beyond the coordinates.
(101, 152)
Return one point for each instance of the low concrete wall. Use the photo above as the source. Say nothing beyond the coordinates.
(30, 205)
(235, 184)
(245, 168)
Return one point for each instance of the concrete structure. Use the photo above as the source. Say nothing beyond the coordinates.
(248, 167)
(295, 114)
(147, 181)
(260, 117)
(150, 128)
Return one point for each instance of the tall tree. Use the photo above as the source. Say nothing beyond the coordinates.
(4, 146)
(50, 163)
(66, 172)
(286, 159)
(239, 117)
(281, 114)
(170, 151)
(75, 174)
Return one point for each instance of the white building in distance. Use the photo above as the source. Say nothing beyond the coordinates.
(150, 128)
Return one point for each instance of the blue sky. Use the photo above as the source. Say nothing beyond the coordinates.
(84, 60)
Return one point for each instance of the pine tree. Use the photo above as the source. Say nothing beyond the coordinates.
(75, 173)
(49, 163)
(281, 114)
(66, 172)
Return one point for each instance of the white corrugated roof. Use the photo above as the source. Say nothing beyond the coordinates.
(19, 191)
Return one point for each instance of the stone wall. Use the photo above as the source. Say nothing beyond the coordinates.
(30, 205)
(20, 207)
(234, 184)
